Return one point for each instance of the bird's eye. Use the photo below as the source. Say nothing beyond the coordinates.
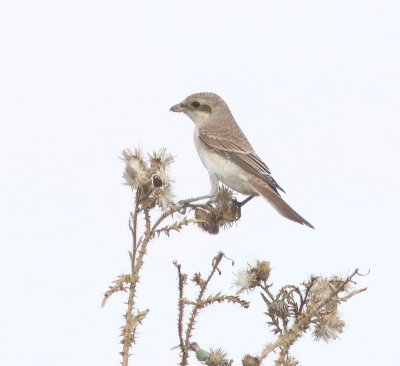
(195, 104)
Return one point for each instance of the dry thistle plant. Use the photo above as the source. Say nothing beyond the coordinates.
(154, 207)
(214, 357)
(291, 312)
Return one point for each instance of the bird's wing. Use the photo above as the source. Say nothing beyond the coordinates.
(247, 159)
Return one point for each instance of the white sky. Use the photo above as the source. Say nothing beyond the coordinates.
(315, 86)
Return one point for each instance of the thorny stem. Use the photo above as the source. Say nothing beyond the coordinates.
(136, 265)
(283, 353)
(127, 332)
(353, 293)
(129, 321)
(196, 308)
(307, 292)
(133, 224)
(148, 195)
(266, 287)
(181, 305)
(164, 215)
(139, 250)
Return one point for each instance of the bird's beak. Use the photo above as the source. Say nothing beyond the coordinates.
(178, 108)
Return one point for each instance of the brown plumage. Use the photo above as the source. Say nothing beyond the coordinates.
(228, 155)
(278, 203)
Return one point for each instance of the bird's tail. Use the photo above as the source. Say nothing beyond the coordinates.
(278, 203)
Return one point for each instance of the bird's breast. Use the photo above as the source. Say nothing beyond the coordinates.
(224, 169)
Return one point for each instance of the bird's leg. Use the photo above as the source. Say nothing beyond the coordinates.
(214, 184)
(241, 204)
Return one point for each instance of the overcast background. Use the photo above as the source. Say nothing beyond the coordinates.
(314, 85)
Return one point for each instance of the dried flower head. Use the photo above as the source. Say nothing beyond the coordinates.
(321, 290)
(137, 154)
(227, 210)
(223, 212)
(151, 177)
(249, 360)
(164, 197)
(162, 176)
(328, 327)
(207, 221)
(279, 308)
(245, 281)
(262, 270)
(340, 284)
(217, 357)
(224, 197)
(161, 159)
(136, 172)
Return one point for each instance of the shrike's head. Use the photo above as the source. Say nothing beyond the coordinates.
(201, 107)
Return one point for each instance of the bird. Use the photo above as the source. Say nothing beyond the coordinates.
(227, 154)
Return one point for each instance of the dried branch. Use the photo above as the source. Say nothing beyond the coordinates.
(302, 321)
(352, 293)
(219, 299)
(181, 308)
(291, 311)
(119, 285)
(152, 185)
(201, 301)
(176, 226)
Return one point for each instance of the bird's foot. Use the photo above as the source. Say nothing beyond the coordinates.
(241, 204)
(187, 201)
